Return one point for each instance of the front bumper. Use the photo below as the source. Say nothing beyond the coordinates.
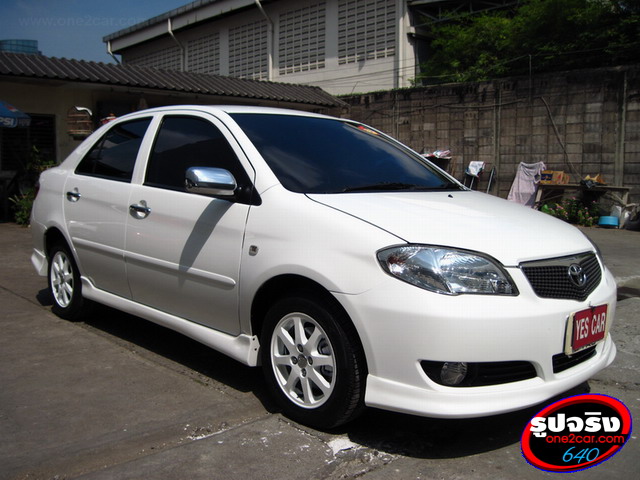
(401, 325)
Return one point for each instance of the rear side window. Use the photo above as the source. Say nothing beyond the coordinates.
(185, 142)
(114, 155)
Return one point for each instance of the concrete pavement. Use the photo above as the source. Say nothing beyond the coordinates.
(118, 397)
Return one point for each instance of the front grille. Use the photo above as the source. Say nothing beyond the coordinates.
(562, 362)
(483, 374)
(551, 278)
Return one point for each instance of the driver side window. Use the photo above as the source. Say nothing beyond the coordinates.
(183, 142)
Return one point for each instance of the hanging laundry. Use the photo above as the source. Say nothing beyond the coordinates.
(526, 182)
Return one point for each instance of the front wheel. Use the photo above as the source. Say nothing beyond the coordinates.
(312, 362)
(64, 284)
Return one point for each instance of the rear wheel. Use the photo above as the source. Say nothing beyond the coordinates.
(64, 284)
(312, 362)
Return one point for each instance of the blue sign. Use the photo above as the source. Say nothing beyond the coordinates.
(11, 117)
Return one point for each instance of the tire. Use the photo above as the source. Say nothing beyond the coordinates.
(64, 284)
(312, 362)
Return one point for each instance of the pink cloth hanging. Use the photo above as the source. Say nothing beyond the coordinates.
(526, 182)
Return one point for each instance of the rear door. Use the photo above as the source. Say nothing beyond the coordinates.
(183, 250)
(96, 204)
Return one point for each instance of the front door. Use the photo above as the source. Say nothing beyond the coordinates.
(183, 250)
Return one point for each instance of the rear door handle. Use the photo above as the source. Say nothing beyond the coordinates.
(73, 196)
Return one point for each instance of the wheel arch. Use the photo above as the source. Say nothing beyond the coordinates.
(66, 288)
(289, 285)
(52, 236)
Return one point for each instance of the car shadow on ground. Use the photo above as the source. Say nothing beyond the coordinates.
(387, 432)
(136, 334)
(182, 350)
(44, 297)
(435, 438)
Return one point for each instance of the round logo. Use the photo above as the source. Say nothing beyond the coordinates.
(577, 275)
(576, 433)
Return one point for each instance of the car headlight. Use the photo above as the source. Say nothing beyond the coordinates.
(446, 270)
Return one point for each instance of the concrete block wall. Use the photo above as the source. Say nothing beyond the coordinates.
(582, 122)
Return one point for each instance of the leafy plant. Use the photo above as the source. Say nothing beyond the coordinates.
(35, 162)
(22, 205)
(34, 165)
(541, 35)
(573, 210)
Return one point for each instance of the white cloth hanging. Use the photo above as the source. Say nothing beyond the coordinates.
(475, 168)
(523, 189)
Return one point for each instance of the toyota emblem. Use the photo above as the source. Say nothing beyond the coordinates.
(577, 275)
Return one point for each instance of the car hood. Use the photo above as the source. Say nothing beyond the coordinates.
(469, 220)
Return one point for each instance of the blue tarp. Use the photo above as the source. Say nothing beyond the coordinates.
(11, 117)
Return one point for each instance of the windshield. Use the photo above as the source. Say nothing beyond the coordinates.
(318, 155)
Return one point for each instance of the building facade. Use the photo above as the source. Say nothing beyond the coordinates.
(342, 46)
(20, 46)
(55, 91)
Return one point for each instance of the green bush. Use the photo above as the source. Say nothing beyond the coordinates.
(34, 165)
(573, 210)
(531, 36)
(22, 205)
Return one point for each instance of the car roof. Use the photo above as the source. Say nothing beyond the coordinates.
(231, 109)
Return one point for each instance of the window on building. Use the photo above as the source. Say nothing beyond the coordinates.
(302, 39)
(18, 145)
(248, 51)
(366, 30)
(165, 59)
(203, 54)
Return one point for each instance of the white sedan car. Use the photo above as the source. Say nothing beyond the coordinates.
(346, 265)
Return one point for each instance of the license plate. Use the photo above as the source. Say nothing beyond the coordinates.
(585, 328)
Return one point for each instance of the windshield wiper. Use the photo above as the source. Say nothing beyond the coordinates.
(387, 186)
(383, 186)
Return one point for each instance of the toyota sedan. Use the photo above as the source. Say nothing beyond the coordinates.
(350, 269)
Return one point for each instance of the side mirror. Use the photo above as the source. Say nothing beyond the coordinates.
(214, 182)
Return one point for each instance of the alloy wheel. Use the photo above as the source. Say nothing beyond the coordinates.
(303, 360)
(61, 278)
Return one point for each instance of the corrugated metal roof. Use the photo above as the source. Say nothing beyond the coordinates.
(39, 66)
(159, 18)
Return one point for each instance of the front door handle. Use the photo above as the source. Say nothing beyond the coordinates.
(140, 210)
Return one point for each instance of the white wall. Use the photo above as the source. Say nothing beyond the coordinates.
(363, 76)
